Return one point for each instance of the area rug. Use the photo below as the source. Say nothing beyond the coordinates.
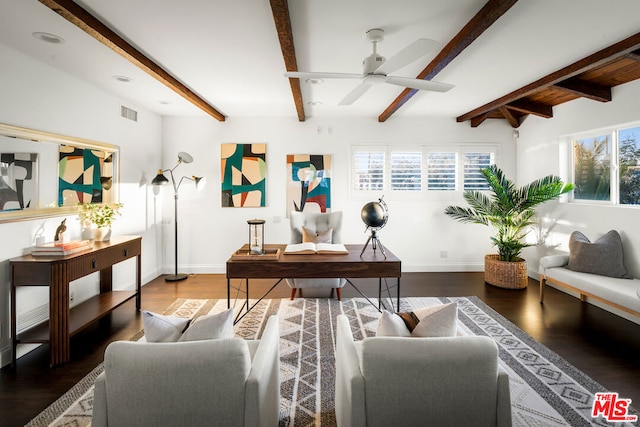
(545, 389)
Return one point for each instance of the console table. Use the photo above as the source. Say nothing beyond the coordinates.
(56, 273)
(349, 266)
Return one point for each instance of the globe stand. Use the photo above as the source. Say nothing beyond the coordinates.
(375, 242)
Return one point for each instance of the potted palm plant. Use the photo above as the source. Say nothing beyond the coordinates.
(509, 211)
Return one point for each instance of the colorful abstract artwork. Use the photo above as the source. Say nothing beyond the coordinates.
(18, 181)
(244, 173)
(85, 176)
(308, 183)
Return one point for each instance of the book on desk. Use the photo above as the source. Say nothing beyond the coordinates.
(61, 249)
(310, 248)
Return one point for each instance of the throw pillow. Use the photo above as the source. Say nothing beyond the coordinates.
(159, 328)
(310, 236)
(391, 325)
(211, 326)
(604, 256)
(436, 321)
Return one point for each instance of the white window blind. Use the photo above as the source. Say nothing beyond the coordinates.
(441, 171)
(406, 171)
(473, 163)
(368, 170)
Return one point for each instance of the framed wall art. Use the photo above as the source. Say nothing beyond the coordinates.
(308, 183)
(244, 175)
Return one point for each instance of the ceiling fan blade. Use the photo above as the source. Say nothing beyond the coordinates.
(406, 56)
(419, 84)
(321, 75)
(355, 94)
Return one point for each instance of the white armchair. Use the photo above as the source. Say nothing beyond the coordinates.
(223, 382)
(385, 381)
(318, 223)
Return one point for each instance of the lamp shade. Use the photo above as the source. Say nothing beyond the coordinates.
(200, 181)
(160, 179)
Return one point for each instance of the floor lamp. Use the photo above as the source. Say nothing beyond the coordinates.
(160, 179)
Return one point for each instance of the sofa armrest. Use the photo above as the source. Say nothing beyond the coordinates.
(262, 389)
(551, 261)
(99, 416)
(349, 402)
(504, 400)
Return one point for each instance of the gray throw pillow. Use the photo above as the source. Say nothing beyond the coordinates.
(604, 256)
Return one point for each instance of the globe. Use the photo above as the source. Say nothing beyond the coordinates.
(373, 215)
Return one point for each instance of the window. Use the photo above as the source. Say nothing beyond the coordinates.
(419, 170)
(606, 167)
(406, 170)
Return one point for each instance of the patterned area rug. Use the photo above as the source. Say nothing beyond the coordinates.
(545, 389)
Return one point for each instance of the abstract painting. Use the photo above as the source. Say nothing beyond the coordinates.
(308, 183)
(244, 173)
(85, 176)
(18, 181)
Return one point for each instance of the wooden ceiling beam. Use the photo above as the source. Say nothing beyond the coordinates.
(634, 55)
(585, 89)
(477, 121)
(489, 14)
(99, 31)
(617, 50)
(506, 113)
(280, 10)
(534, 108)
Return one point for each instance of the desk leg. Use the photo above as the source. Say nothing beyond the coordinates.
(247, 296)
(59, 342)
(138, 282)
(228, 293)
(14, 343)
(379, 293)
(398, 296)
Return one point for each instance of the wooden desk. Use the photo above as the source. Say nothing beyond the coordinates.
(349, 266)
(56, 273)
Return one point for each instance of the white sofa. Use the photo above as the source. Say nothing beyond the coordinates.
(623, 294)
(222, 382)
(399, 381)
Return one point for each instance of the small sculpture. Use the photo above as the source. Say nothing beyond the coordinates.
(61, 229)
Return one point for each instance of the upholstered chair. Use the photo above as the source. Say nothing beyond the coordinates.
(219, 382)
(389, 381)
(326, 227)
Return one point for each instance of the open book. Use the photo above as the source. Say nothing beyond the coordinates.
(316, 248)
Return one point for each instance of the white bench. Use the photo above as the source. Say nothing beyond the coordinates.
(623, 294)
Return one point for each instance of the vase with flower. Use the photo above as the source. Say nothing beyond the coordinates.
(97, 218)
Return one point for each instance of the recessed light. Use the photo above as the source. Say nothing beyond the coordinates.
(314, 81)
(48, 37)
(123, 79)
(314, 103)
(165, 102)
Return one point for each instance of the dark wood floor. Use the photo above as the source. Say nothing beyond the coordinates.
(604, 346)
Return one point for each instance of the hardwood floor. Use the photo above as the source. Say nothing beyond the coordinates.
(602, 345)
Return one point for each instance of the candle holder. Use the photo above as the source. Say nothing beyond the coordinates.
(256, 236)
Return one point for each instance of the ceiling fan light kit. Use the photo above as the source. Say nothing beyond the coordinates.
(375, 69)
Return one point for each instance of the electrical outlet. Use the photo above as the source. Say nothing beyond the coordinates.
(71, 296)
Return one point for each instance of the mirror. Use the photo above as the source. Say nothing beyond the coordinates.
(45, 175)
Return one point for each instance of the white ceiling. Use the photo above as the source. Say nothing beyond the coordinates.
(228, 51)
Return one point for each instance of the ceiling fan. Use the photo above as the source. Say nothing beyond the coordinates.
(376, 69)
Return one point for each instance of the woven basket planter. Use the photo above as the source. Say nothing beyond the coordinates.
(505, 274)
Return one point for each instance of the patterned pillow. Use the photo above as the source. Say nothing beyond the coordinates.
(603, 257)
(436, 321)
(310, 236)
(159, 328)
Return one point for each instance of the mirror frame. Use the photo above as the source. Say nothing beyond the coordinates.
(32, 135)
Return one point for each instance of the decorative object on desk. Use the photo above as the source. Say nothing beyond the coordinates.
(160, 179)
(375, 216)
(86, 175)
(268, 254)
(61, 229)
(509, 211)
(100, 216)
(61, 249)
(244, 175)
(308, 183)
(256, 236)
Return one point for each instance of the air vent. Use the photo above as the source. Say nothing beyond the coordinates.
(128, 113)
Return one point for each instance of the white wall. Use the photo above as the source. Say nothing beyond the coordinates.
(39, 97)
(416, 232)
